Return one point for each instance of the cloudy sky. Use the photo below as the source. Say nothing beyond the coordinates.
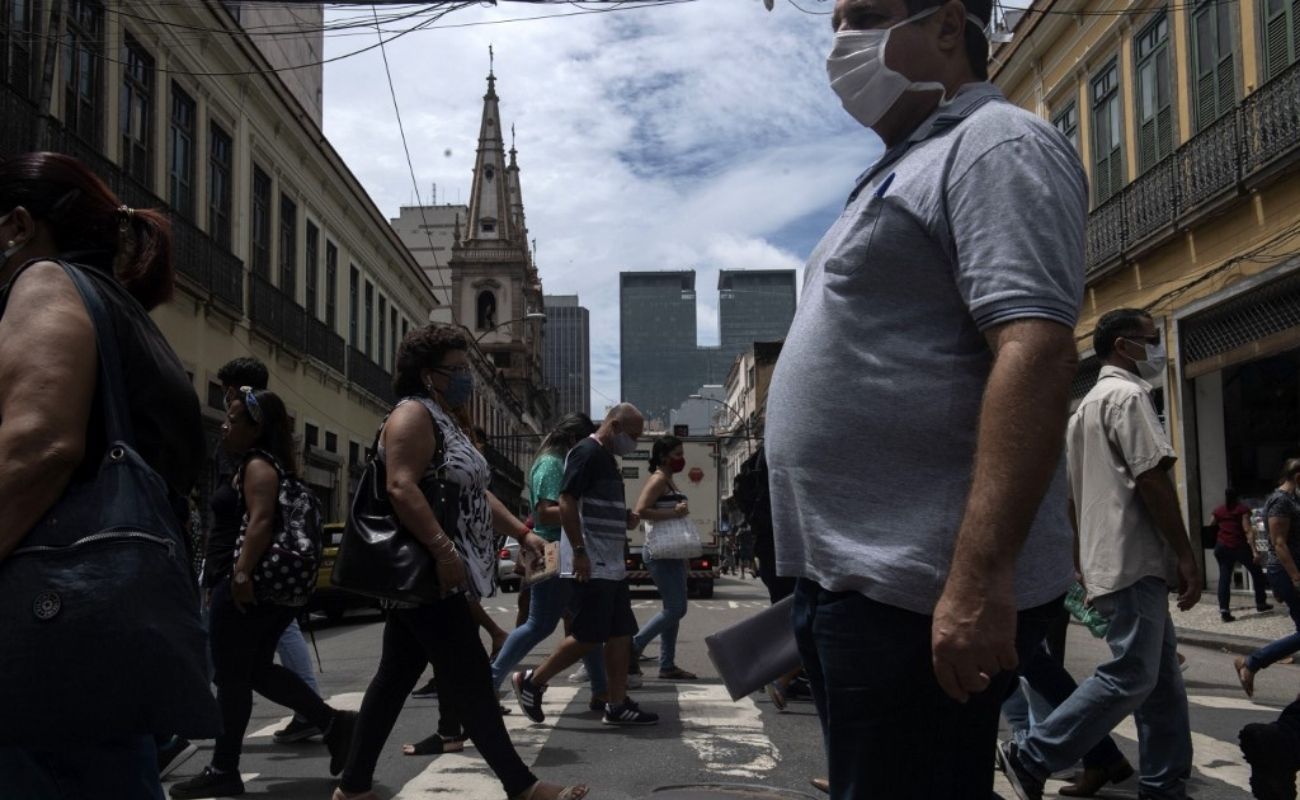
(696, 136)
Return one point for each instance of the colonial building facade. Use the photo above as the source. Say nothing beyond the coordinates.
(1187, 119)
(281, 253)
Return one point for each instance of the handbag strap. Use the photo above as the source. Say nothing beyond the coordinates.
(117, 421)
(439, 438)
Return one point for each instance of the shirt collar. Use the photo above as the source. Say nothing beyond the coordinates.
(1116, 372)
(968, 98)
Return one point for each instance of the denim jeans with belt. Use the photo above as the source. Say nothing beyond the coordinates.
(1142, 678)
(546, 607)
(670, 579)
(890, 730)
(1274, 652)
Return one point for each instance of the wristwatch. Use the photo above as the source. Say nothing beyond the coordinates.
(241, 578)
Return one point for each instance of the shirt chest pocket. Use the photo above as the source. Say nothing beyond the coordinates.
(877, 233)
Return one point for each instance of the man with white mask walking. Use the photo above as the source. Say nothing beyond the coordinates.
(950, 287)
(1133, 548)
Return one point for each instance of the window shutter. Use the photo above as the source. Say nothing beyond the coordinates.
(1205, 100)
(1116, 171)
(1227, 86)
(1295, 30)
(1101, 180)
(1276, 46)
(1164, 132)
(1148, 149)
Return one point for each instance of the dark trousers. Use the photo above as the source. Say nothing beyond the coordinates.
(443, 633)
(243, 657)
(1228, 558)
(890, 730)
(122, 769)
(1046, 674)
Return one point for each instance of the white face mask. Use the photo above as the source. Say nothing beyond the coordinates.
(1153, 366)
(621, 444)
(866, 85)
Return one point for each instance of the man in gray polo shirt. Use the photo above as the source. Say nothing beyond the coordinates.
(916, 416)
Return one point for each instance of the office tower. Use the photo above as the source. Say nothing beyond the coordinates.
(566, 354)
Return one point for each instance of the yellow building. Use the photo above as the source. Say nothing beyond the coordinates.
(281, 253)
(1187, 119)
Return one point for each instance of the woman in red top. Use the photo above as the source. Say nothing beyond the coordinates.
(1233, 547)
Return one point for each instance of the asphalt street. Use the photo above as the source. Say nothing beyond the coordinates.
(703, 736)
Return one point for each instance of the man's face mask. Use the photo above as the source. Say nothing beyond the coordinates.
(866, 85)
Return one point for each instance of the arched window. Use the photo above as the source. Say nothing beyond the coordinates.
(487, 310)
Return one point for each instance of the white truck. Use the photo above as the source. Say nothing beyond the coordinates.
(699, 482)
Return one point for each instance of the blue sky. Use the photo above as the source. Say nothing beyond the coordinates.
(701, 136)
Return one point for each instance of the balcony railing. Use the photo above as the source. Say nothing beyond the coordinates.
(276, 314)
(325, 345)
(1260, 134)
(370, 376)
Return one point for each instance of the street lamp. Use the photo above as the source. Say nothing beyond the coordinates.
(529, 317)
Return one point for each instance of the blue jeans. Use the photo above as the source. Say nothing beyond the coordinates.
(126, 769)
(1054, 685)
(891, 732)
(295, 657)
(1274, 652)
(1229, 558)
(670, 578)
(1142, 678)
(549, 600)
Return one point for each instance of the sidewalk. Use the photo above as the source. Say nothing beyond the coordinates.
(1201, 626)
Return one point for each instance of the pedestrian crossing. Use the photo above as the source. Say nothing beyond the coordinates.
(743, 742)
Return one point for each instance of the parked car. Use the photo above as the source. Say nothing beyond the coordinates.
(507, 578)
(328, 599)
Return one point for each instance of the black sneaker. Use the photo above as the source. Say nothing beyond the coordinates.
(529, 695)
(1271, 754)
(298, 730)
(209, 783)
(174, 753)
(430, 689)
(1226, 616)
(1025, 785)
(338, 738)
(629, 714)
(1264, 607)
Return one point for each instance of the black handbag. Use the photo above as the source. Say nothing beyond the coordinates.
(99, 614)
(378, 557)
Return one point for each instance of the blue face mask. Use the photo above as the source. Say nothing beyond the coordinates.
(460, 388)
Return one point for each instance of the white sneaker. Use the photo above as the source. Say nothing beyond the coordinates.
(579, 675)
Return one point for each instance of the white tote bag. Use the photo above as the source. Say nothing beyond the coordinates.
(673, 539)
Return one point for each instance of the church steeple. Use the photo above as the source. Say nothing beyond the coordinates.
(516, 193)
(489, 199)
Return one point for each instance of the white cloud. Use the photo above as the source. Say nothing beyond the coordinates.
(696, 136)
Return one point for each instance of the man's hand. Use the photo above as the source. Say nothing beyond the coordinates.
(973, 635)
(633, 519)
(581, 567)
(1189, 582)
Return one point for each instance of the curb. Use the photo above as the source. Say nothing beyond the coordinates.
(1239, 645)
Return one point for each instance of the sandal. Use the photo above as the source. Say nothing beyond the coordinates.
(566, 793)
(1246, 677)
(676, 674)
(434, 745)
(777, 696)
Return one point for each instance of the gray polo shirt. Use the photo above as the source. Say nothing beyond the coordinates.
(976, 220)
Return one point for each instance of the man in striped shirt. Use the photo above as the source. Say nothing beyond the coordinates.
(596, 519)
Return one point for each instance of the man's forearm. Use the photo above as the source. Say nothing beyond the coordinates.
(1021, 433)
(571, 521)
(1161, 499)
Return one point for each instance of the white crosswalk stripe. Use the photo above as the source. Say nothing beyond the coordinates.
(466, 774)
(728, 737)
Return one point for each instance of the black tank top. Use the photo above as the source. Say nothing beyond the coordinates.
(164, 409)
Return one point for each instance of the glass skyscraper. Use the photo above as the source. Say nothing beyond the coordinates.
(566, 354)
(660, 361)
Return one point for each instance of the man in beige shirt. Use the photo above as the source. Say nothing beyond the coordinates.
(1132, 548)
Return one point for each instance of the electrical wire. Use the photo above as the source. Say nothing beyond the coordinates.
(409, 165)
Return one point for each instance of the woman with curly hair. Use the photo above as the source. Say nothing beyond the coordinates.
(420, 437)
